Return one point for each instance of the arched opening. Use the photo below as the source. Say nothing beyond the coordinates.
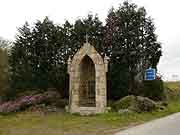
(87, 92)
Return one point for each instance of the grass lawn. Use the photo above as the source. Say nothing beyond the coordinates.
(173, 85)
(28, 123)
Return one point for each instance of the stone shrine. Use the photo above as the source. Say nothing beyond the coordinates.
(87, 72)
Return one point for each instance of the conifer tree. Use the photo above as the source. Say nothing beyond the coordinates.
(131, 42)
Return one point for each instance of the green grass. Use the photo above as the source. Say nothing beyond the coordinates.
(172, 90)
(173, 85)
(28, 123)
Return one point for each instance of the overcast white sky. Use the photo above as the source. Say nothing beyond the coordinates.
(166, 14)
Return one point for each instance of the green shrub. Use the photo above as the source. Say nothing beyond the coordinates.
(153, 89)
(22, 103)
(4, 80)
(117, 81)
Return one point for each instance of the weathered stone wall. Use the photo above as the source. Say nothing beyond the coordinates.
(100, 80)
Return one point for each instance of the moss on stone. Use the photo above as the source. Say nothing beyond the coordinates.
(135, 104)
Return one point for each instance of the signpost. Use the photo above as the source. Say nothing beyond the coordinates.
(150, 74)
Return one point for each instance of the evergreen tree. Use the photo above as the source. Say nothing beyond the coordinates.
(39, 56)
(4, 75)
(35, 59)
(131, 42)
(93, 28)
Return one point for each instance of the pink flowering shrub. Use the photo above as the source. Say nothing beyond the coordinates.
(23, 102)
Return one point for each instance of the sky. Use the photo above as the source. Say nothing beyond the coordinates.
(165, 13)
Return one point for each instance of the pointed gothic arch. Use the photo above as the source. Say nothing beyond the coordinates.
(87, 83)
(87, 72)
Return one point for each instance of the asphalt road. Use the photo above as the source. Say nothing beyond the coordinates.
(169, 125)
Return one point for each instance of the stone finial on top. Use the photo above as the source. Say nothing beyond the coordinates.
(87, 38)
(87, 45)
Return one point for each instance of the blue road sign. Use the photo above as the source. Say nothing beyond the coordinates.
(150, 74)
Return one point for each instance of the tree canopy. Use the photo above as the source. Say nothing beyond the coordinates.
(36, 57)
(40, 52)
(39, 56)
(131, 42)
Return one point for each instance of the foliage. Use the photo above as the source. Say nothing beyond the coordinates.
(117, 80)
(40, 52)
(38, 57)
(4, 75)
(131, 42)
(93, 28)
(153, 89)
(26, 101)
